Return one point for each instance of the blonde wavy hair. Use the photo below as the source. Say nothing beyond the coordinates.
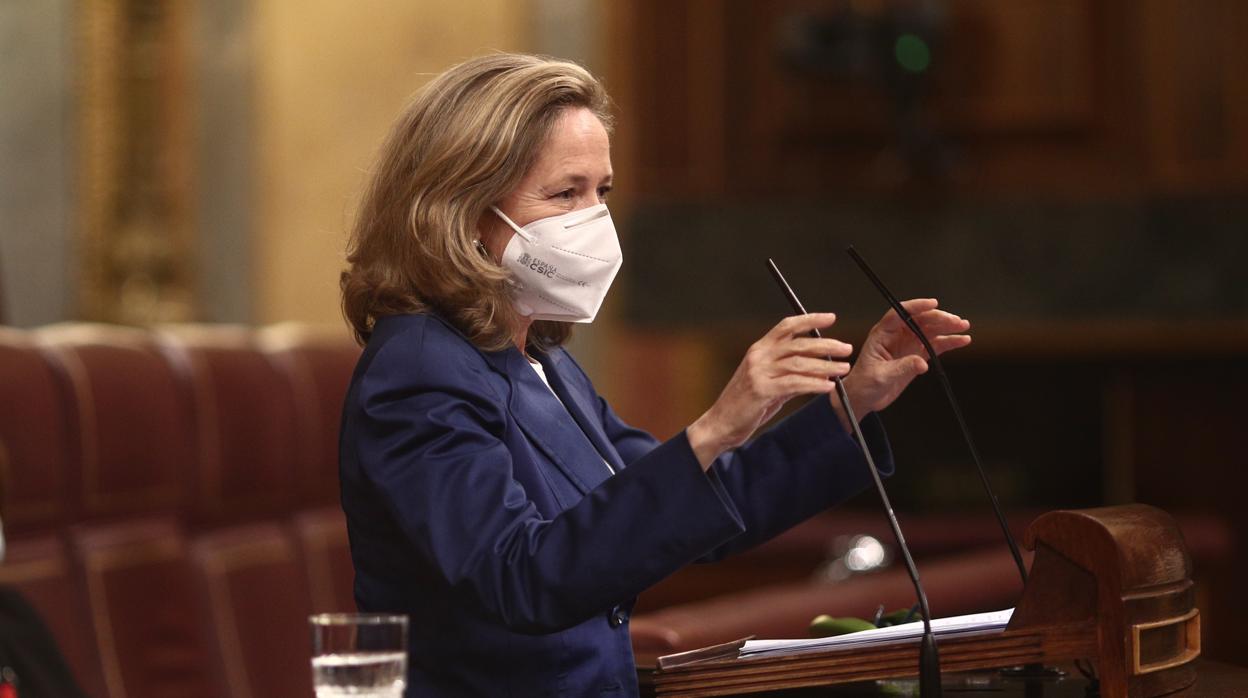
(465, 141)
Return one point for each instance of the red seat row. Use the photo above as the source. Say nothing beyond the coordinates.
(170, 497)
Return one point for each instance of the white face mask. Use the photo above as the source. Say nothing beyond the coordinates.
(563, 265)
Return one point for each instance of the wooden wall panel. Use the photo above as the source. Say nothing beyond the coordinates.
(1008, 82)
(1074, 98)
(1195, 101)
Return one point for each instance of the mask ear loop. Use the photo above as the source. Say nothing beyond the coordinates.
(519, 231)
(481, 245)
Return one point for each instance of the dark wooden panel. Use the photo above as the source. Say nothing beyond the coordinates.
(1196, 99)
(1073, 97)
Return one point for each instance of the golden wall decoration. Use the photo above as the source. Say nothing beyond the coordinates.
(136, 150)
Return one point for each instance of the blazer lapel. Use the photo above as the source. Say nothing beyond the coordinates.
(545, 421)
(582, 408)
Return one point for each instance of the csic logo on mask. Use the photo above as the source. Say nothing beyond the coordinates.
(547, 270)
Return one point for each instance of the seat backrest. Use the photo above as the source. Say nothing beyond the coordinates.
(322, 535)
(34, 437)
(253, 586)
(141, 599)
(316, 363)
(38, 568)
(129, 421)
(244, 417)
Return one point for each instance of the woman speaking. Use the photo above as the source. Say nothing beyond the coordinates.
(491, 494)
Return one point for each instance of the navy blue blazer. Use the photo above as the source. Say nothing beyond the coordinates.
(479, 504)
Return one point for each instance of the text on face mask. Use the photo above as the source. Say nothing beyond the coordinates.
(537, 265)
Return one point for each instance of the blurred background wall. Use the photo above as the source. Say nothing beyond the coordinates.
(175, 161)
(1071, 174)
(329, 78)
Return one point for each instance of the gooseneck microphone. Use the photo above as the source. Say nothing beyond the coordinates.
(953, 402)
(929, 658)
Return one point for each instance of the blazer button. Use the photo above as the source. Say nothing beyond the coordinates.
(616, 618)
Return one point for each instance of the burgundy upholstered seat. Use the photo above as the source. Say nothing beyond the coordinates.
(129, 422)
(245, 422)
(34, 437)
(253, 585)
(327, 558)
(317, 364)
(142, 602)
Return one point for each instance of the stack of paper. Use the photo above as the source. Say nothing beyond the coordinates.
(941, 627)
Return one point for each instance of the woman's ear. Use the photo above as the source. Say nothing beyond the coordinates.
(493, 235)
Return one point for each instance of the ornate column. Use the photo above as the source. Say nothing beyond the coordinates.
(135, 162)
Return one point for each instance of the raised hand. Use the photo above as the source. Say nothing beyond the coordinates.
(785, 363)
(892, 356)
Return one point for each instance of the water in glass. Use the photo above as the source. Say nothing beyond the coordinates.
(374, 674)
(359, 654)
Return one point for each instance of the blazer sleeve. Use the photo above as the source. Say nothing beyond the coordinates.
(429, 437)
(803, 465)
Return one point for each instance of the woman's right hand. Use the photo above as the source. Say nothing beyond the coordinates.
(785, 363)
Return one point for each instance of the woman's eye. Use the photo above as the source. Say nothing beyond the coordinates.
(565, 195)
(602, 193)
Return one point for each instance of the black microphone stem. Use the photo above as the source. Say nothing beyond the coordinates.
(929, 658)
(953, 402)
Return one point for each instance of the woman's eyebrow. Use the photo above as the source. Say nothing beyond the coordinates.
(580, 180)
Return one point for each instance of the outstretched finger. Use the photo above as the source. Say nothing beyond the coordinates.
(814, 368)
(914, 306)
(948, 342)
(934, 322)
(818, 347)
(801, 324)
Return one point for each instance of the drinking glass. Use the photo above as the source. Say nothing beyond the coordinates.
(359, 654)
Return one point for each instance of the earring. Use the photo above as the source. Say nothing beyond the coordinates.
(481, 247)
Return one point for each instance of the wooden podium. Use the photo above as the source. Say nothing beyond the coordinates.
(1110, 585)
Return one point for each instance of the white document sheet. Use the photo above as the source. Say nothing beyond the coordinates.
(941, 627)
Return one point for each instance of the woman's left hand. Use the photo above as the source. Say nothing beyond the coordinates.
(892, 356)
